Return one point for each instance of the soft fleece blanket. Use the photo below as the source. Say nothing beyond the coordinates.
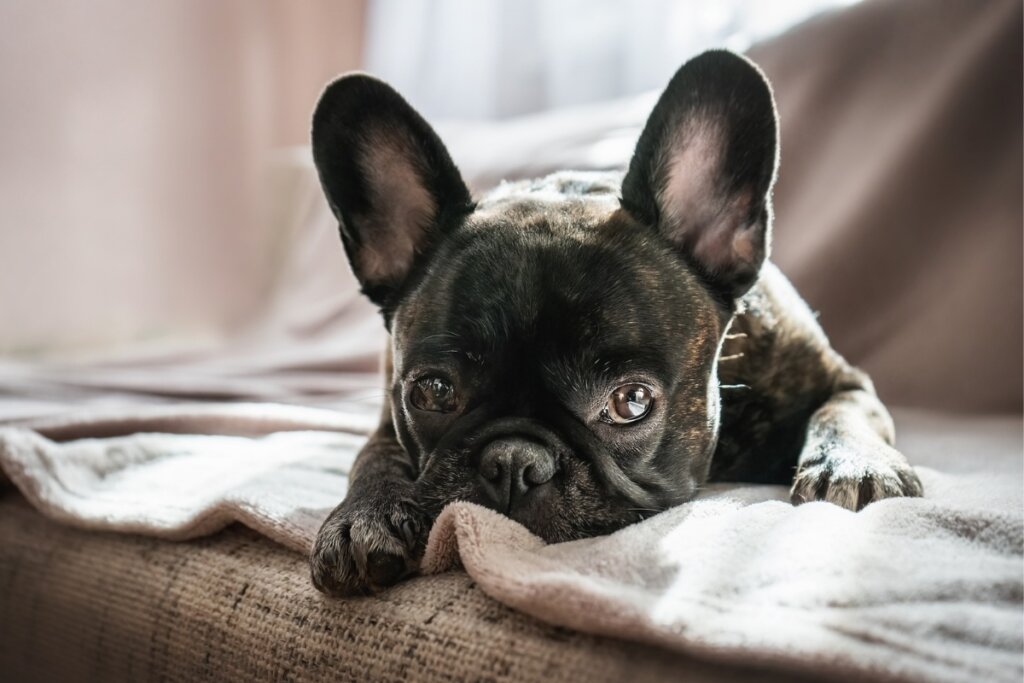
(906, 590)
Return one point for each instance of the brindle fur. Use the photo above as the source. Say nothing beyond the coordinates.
(540, 298)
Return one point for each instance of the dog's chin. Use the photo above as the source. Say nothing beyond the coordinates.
(554, 523)
(545, 523)
(561, 534)
(549, 520)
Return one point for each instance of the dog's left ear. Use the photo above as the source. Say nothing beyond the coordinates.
(704, 166)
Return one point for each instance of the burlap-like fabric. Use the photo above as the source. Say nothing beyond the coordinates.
(77, 606)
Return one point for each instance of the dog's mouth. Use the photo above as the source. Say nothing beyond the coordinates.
(556, 510)
(527, 472)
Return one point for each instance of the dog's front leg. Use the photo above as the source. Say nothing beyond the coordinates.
(375, 537)
(848, 457)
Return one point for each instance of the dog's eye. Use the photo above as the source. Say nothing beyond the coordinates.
(628, 403)
(434, 394)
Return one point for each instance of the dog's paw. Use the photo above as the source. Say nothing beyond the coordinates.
(367, 545)
(852, 481)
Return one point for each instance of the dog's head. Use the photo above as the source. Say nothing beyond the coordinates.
(555, 345)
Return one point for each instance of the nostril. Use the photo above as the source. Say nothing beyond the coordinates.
(539, 472)
(496, 467)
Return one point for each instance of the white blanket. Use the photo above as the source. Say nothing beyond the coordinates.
(906, 590)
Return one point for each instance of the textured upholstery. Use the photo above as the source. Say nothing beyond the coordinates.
(77, 606)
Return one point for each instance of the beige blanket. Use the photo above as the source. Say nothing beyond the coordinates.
(906, 590)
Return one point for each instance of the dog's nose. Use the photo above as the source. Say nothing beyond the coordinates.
(510, 468)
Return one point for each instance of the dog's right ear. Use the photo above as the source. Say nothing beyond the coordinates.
(388, 179)
(704, 167)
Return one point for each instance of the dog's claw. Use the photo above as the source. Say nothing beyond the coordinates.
(410, 532)
(854, 482)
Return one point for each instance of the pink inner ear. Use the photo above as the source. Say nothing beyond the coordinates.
(697, 214)
(688, 197)
(729, 243)
(403, 210)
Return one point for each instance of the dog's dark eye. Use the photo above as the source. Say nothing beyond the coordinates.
(434, 394)
(628, 403)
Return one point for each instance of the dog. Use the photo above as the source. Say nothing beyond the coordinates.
(582, 351)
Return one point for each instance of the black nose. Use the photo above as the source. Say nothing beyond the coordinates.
(510, 468)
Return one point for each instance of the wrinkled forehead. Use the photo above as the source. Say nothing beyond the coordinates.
(546, 283)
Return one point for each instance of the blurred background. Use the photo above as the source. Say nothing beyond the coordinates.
(162, 233)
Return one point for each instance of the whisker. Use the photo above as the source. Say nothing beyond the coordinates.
(733, 356)
(736, 335)
(733, 386)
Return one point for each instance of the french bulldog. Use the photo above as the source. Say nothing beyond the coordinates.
(582, 351)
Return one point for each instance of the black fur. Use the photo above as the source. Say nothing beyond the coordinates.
(537, 303)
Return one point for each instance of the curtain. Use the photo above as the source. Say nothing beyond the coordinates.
(488, 59)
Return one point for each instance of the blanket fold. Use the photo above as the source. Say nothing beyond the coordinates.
(906, 590)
